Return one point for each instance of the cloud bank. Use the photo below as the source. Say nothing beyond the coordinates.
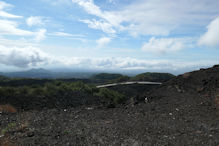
(28, 57)
(23, 57)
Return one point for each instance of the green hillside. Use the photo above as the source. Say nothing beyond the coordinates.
(153, 77)
(107, 77)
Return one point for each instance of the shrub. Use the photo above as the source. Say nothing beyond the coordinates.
(113, 96)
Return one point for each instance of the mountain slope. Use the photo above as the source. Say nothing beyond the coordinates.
(197, 87)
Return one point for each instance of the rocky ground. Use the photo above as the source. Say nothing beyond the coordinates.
(182, 111)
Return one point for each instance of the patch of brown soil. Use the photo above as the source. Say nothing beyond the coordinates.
(7, 108)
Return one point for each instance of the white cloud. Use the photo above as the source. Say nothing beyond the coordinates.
(57, 2)
(34, 20)
(101, 25)
(89, 6)
(27, 56)
(4, 14)
(112, 1)
(23, 57)
(8, 15)
(152, 17)
(40, 35)
(103, 41)
(79, 37)
(162, 45)
(4, 5)
(64, 34)
(11, 28)
(108, 20)
(211, 37)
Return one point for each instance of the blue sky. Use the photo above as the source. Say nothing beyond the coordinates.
(111, 35)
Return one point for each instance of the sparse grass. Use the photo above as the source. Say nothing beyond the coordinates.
(186, 75)
(11, 127)
(7, 129)
(22, 127)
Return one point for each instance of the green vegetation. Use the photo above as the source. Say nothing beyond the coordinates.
(114, 96)
(9, 127)
(108, 78)
(30, 93)
(3, 78)
(48, 89)
(57, 94)
(115, 78)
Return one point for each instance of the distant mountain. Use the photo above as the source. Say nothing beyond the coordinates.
(43, 73)
(39, 70)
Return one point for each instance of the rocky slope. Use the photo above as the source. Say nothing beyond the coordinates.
(182, 111)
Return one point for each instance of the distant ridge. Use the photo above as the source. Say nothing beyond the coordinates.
(43, 73)
(39, 70)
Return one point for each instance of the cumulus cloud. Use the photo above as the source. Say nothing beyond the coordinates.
(34, 20)
(4, 14)
(23, 57)
(211, 37)
(103, 41)
(162, 45)
(151, 17)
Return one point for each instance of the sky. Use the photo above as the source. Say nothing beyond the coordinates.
(109, 35)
